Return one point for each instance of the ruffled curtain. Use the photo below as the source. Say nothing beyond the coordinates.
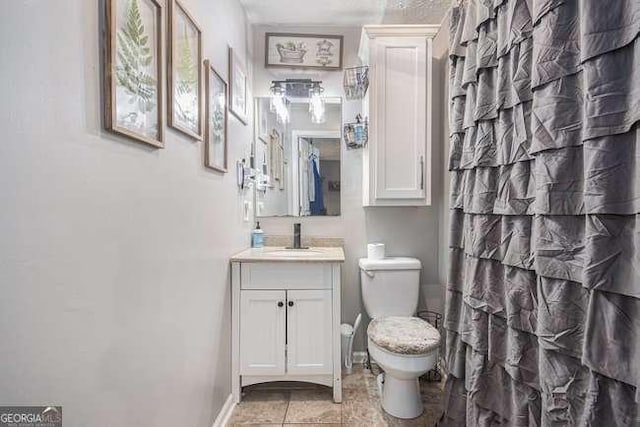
(543, 296)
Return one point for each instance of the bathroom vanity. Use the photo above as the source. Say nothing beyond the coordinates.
(286, 317)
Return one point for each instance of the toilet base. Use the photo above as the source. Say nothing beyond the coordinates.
(401, 398)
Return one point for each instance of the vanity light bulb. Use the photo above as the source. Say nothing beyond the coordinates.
(317, 109)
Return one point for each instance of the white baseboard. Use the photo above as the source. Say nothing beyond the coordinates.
(359, 357)
(225, 413)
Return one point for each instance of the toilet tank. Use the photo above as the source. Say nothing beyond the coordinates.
(390, 286)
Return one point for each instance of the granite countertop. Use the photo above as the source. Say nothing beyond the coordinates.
(281, 254)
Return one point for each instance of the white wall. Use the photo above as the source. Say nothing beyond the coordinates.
(407, 231)
(114, 294)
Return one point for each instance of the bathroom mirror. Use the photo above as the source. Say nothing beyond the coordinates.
(297, 158)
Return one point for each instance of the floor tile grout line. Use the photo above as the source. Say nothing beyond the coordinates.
(287, 410)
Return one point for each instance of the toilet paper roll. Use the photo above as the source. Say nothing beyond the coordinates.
(375, 250)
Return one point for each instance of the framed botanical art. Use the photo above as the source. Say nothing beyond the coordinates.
(303, 51)
(184, 71)
(133, 70)
(215, 134)
(238, 88)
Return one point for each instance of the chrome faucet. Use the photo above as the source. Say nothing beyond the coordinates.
(296, 236)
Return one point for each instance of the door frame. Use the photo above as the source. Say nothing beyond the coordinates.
(294, 182)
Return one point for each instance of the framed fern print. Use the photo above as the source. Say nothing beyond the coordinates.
(133, 70)
(185, 72)
(215, 131)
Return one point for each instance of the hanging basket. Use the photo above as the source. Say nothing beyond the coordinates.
(356, 82)
(435, 319)
(356, 134)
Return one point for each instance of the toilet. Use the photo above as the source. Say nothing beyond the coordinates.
(404, 347)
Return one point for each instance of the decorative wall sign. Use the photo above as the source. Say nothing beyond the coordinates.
(133, 70)
(238, 86)
(185, 71)
(303, 51)
(216, 145)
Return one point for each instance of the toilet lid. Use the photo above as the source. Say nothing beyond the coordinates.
(403, 335)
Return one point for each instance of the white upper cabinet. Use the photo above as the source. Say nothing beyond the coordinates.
(397, 159)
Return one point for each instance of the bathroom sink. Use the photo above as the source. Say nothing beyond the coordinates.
(293, 252)
(281, 254)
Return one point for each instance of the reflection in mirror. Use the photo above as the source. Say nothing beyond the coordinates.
(298, 162)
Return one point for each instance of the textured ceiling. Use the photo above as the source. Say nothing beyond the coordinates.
(345, 12)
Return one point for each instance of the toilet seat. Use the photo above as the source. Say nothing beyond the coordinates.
(403, 335)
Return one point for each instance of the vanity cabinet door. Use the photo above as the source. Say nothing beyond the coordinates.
(309, 326)
(262, 332)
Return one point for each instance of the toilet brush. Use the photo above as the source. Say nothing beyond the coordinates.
(348, 360)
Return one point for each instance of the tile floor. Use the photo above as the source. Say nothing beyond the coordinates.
(300, 404)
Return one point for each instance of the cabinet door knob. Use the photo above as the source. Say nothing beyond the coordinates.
(280, 303)
(290, 303)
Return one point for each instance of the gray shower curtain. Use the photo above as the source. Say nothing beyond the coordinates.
(543, 295)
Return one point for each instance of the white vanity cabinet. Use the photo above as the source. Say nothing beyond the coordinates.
(285, 332)
(286, 318)
(398, 104)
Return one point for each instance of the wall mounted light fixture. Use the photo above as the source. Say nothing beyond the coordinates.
(281, 90)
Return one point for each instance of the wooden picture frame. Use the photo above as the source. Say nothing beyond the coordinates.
(238, 88)
(184, 71)
(281, 166)
(309, 51)
(213, 105)
(129, 110)
(274, 143)
(262, 120)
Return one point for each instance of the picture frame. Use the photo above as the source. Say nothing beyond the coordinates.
(276, 159)
(133, 65)
(216, 120)
(284, 171)
(311, 51)
(281, 167)
(274, 144)
(238, 88)
(184, 67)
(265, 162)
(263, 123)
